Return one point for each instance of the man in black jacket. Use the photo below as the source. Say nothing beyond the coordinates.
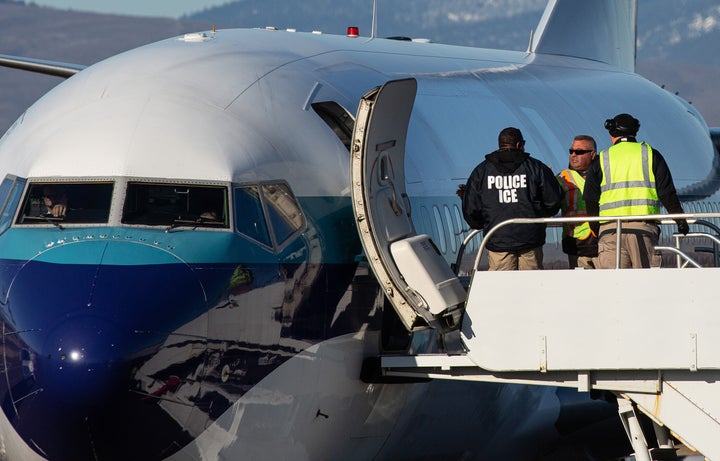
(511, 184)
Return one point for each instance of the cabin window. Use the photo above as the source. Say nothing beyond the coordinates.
(10, 192)
(66, 203)
(440, 229)
(268, 213)
(462, 231)
(452, 231)
(426, 224)
(175, 205)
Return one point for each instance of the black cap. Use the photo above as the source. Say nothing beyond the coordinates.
(622, 125)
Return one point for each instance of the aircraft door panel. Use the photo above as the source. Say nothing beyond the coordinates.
(378, 180)
(383, 215)
(392, 210)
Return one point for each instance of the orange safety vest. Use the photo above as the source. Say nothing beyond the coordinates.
(573, 203)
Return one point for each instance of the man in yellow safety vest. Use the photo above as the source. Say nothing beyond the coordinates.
(629, 179)
(578, 241)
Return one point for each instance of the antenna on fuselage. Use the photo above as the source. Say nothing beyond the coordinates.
(373, 31)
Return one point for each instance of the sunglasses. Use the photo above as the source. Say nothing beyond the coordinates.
(579, 151)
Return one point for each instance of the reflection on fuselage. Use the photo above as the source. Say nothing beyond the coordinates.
(120, 334)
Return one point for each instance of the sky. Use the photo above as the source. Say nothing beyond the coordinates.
(160, 8)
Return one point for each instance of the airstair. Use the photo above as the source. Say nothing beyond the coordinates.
(650, 336)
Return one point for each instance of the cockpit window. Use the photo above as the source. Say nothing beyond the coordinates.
(10, 192)
(249, 217)
(283, 211)
(266, 210)
(66, 203)
(175, 205)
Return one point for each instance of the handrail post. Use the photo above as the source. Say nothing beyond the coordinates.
(618, 240)
(461, 250)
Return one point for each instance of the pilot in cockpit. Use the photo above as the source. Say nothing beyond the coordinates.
(210, 215)
(55, 201)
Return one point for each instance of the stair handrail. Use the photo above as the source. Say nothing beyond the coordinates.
(556, 221)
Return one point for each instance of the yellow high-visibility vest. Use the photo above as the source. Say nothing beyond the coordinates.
(573, 203)
(628, 184)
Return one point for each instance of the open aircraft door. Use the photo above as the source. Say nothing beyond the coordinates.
(414, 276)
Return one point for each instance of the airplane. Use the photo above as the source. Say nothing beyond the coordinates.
(202, 292)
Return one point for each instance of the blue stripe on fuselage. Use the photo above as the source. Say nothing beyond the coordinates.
(178, 245)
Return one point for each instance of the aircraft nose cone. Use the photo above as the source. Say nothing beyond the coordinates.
(82, 360)
(85, 322)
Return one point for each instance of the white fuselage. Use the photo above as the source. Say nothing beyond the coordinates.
(282, 356)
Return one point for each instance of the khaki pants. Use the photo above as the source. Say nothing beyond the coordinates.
(515, 260)
(637, 245)
(586, 262)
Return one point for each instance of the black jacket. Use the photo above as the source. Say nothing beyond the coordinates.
(511, 184)
(663, 184)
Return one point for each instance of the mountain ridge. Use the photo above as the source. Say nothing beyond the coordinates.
(676, 40)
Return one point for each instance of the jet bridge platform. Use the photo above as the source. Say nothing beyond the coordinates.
(650, 336)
